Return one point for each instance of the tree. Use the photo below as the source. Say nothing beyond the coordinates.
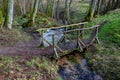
(1, 16)
(9, 14)
(92, 9)
(34, 11)
(50, 8)
(57, 9)
(67, 12)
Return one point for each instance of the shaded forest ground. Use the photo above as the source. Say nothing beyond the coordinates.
(104, 59)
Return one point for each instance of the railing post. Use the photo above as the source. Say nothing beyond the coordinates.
(42, 37)
(65, 35)
(82, 31)
(54, 47)
(97, 36)
(78, 33)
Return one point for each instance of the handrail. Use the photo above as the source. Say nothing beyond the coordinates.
(74, 30)
(65, 26)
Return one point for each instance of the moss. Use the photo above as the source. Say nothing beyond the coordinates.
(74, 60)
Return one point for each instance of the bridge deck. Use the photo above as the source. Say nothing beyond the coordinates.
(70, 46)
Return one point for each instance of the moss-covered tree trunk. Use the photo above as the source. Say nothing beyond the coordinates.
(54, 9)
(34, 11)
(92, 9)
(50, 8)
(9, 14)
(1, 16)
(67, 12)
(57, 9)
(5, 11)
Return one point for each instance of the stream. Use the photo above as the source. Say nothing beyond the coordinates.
(49, 38)
(74, 67)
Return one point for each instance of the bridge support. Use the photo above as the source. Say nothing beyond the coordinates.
(42, 38)
(54, 47)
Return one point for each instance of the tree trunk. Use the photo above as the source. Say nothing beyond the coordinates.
(67, 12)
(10, 13)
(54, 9)
(57, 9)
(92, 10)
(34, 11)
(49, 9)
(1, 16)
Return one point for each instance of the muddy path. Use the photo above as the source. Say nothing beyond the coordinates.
(25, 48)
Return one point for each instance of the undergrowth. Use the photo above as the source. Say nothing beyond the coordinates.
(104, 59)
(20, 68)
(12, 37)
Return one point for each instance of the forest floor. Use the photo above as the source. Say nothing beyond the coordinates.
(24, 60)
(20, 57)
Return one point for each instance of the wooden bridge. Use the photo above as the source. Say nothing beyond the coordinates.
(72, 38)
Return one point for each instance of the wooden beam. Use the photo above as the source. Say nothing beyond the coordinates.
(62, 26)
(54, 47)
(74, 30)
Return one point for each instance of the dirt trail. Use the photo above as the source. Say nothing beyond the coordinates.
(29, 48)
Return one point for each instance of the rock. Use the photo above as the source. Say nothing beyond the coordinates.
(11, 72)
(97, 77)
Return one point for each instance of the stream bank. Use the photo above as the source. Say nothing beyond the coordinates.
(74, 67)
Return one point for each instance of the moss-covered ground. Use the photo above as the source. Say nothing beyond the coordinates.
(104, 59)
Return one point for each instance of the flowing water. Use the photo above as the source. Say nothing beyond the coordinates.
(49, 38)
(74, 67)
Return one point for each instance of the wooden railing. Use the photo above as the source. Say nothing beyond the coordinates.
(79, 29)
(75, 26)
(80, 41)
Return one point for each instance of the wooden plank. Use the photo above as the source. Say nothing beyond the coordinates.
(47, 42)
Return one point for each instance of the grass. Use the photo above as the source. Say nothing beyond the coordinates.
(110, 34)
(104, 59)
